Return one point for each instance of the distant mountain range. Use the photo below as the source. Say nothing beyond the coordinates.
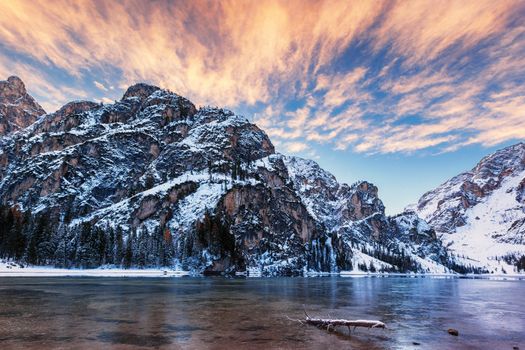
(153, 181)
(480, 214)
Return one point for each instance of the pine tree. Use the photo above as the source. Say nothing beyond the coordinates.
(100, 246)
(85, 252)
(168, 252)
(141, 251)
(15, 240)
(3, 231)
(521, 263)
(110, 251)
(37, 250)
(68, 214)
(119, 246)
(128, 255)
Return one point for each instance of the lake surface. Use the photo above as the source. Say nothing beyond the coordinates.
(220, 313)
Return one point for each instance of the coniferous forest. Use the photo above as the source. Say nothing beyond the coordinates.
(44, 240)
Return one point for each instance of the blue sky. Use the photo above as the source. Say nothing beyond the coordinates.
(404, 94)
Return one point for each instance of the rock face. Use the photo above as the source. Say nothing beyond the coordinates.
(154, 181)
(17, 109)
(361, 235)
(481, 213)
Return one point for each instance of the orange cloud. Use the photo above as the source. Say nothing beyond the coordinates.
(215, 52)
(426, 29)
(441, 58)
(49, 96)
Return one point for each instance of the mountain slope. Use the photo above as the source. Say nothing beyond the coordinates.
(150, 180)
(356, 217)
(481, 213)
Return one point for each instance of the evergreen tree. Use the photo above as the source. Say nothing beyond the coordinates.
(167, 246)
(119, 247)
(521, 263)
(110, 251)
(101, 246)
(39, 249)
(85, 252)
(141, 250)
(3, 231)
(15, 241)
(128, 255)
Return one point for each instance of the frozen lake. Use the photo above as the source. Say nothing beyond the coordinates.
(220, 313)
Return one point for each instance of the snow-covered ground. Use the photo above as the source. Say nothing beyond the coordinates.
(10, 269)
(433, 275)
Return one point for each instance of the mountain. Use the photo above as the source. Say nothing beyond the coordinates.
(480, 214)
(17, 109)
(151, 180)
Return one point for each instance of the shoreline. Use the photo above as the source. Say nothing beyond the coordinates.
(102, 274)
(56, 272)
(146, 273)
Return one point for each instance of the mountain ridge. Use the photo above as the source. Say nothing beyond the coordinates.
(480, 213)
(151, 180)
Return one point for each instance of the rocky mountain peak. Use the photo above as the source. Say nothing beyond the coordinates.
(501, 162)
(366, 187)
(140, 90)
(17, 108)
(76, 107)
(12, 87)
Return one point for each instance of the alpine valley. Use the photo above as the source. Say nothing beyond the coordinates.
(152, 181)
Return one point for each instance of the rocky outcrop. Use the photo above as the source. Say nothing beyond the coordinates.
(17, 109)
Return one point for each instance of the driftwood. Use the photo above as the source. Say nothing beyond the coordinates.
(329, 324)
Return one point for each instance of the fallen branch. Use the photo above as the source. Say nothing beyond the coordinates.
(330, 324)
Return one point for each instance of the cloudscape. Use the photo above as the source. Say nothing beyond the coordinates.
(368, 79)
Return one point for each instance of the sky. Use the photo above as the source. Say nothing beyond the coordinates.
(405, 94)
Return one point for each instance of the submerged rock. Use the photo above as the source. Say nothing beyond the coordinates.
(453, 332)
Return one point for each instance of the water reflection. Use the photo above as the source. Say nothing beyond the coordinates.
(217, 313)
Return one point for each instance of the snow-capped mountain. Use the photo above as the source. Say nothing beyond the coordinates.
(151, 180)
(480, 214)
(17, 108)
(355, 216)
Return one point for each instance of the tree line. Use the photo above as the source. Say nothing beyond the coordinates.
(46, 240)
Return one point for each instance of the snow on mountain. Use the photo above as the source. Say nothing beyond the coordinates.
(480, 214)
(152, 181)
(356, 218)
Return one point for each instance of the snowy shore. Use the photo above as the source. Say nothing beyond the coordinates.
(13, 270)
(10, 269)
